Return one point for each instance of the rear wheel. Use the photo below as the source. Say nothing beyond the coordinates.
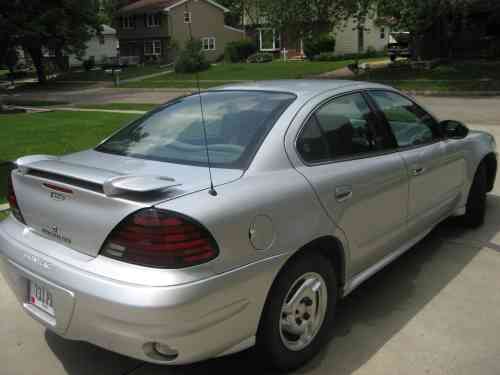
(476, 202)
(299, 313)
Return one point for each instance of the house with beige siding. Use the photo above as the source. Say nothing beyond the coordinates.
(347, 35)
(154, 30)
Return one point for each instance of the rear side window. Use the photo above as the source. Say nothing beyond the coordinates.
(410, 124)
(342, 128)
(236, 124)
(311, 144)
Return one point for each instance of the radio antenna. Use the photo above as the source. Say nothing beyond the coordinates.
(212, 190)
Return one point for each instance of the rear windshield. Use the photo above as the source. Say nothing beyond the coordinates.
(236, 124)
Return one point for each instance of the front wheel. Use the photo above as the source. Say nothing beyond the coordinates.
(299, 313)
(476, 202)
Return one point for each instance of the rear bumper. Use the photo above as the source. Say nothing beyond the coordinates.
(199, 320)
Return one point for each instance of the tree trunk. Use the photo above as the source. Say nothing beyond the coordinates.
(37, 57)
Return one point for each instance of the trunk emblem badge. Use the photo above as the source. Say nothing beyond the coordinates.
(58, 193)
(57, 196)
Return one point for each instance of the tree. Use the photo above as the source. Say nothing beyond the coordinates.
(432, 22)
(64, 25)
(303, 18)
(235, 16)
(360, 11)
(108, 9)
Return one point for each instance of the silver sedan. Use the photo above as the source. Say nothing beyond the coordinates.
(236, 217)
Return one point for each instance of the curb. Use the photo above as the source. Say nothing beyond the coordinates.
(4, 207)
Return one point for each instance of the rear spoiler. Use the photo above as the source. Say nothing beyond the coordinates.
(110, 183)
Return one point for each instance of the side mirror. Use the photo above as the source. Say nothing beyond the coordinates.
(454, 129)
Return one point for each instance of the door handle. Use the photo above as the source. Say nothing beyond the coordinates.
(417, 171)
(343, 193)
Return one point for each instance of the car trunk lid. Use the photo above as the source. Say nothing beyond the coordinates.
(79, 199)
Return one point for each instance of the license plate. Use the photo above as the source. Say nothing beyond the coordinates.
(42, 298)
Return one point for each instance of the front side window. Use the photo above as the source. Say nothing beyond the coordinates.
(347, 127)
(410, 124)
(208, 44)
(152, 48)
(187, 17)
(236, 124)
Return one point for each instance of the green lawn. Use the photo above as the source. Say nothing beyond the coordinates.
(3, 215)
(227, 73)
(121, 106)
(100, 75)
(55, 133)
(465, 76)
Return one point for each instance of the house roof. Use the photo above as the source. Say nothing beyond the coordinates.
(162, 5)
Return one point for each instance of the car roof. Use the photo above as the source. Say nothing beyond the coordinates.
(303, 88)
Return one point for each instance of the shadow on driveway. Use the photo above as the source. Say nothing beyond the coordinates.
(366, 320)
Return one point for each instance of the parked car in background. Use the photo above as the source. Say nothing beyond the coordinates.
(317, 185)
(399, 45)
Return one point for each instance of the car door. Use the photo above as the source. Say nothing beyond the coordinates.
(436, 170)
(361, 181)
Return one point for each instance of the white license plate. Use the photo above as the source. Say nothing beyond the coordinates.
(42, 298)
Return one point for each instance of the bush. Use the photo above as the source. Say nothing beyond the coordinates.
(315, 46)
(371, 52)
(89, 64)
(239, 51)
(261, 57)
(326, 56)
(191, 59)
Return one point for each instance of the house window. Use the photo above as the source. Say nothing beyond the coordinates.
(152, 48)
(208, 44)
(269, 40)
(187, 17)
(153, 20)
(382, 33)
(101, 39)
(51, 52)
(128, 22)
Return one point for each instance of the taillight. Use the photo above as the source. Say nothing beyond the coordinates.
(160, 239)
(11, 198)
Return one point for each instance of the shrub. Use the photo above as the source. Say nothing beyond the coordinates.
(315, 46)
(326, 56)
(239, 51)
(371, 52)
(89, 64)
(261, 57)
(191, 59)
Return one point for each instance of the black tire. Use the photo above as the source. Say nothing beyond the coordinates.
(476, 202)
(269, 342)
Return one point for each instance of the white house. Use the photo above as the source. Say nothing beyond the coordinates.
(100, 47)
(348, 38)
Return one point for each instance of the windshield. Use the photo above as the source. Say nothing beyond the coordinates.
(236, 124)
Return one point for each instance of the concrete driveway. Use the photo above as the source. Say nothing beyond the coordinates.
(436, 310)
